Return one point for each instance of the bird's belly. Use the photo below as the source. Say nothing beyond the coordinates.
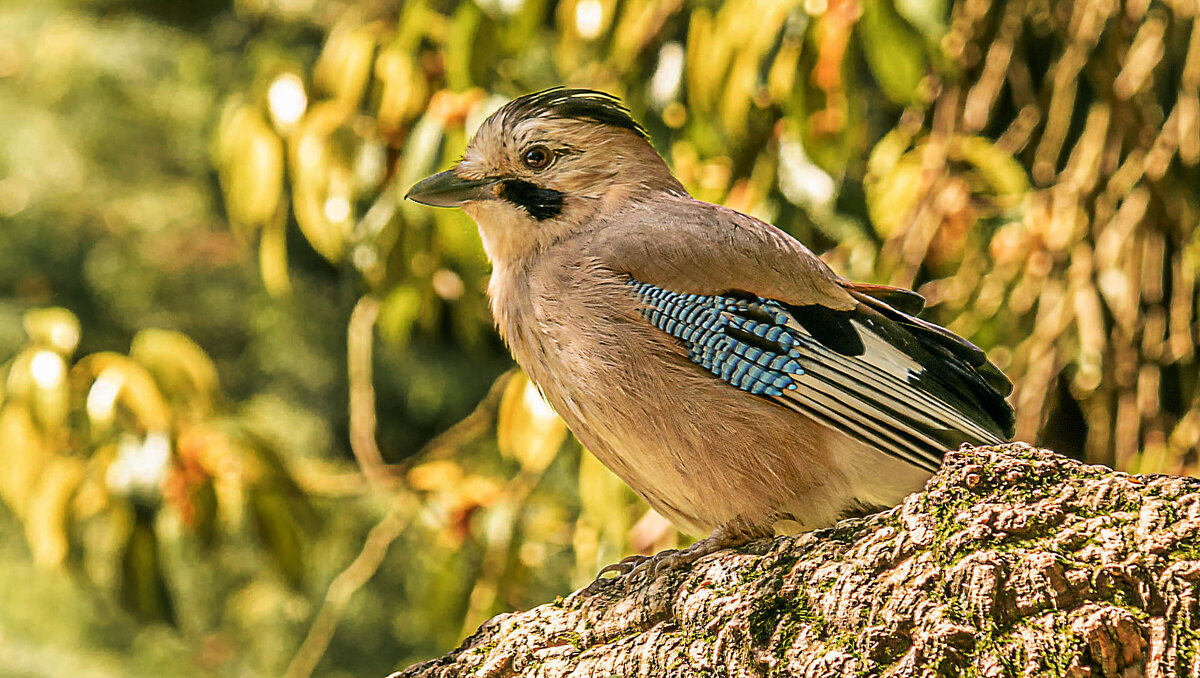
(702, 452)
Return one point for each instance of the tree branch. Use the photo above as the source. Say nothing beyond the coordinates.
(360, 340)
(1013, 561)
(345, 585)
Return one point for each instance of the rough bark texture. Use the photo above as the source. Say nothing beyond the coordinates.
(1014, 561)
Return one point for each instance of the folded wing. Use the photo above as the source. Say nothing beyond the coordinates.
(876, 372)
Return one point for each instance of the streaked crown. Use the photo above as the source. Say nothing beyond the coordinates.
(571, 104)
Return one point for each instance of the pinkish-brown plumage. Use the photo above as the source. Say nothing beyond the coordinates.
(841, 401)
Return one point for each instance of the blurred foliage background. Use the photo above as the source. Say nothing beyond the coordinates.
(253, 416)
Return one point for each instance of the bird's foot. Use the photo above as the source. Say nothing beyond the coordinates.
(631, 567)
(624, 566)
(671, 559)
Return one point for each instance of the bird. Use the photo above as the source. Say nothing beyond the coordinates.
(725, 372)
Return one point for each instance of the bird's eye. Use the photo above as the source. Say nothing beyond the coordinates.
(537, 157)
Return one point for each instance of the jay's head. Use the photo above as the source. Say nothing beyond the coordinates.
(543, 165)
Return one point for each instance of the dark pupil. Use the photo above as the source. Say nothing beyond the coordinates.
(536, 157)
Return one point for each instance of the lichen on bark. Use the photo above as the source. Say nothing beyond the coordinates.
(1014, 561)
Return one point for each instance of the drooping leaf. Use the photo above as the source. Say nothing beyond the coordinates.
(893, 193)
(126, 383)
(527, 429)
(398, 314)
(143, 586)
(279, 530)
(344, 66)
(23, 454)
(998, 168)
(322, 179)
(48, 517)
(894, 50)
(927, 16)
(183, 371)
(250, 160)
(38, 378)
(403, 92)
(55, 328)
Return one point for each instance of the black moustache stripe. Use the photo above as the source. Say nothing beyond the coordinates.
(541, 203)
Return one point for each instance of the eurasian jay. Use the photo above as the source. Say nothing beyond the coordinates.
(709, 359)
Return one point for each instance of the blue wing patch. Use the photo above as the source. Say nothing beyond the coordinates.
(741, 340)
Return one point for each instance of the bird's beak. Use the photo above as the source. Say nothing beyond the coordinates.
(446, 189)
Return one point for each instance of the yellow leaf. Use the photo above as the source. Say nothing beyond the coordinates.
(23, 454)
(435, 475)
(639, 25)
(51, 397)
(93, 495)
(344, 66)
(182, 370)
(48, 519)
(55, 328)
(701, 68)
(322, 181)
(37, 378)
(527, 428)
(998, 168)
(251, 160)
(272, 256)
(892, 195)
(125, 382)
(604, 498)
(286, 101)
(781, 78)
(602, 530)
(887, 153)
(403, 92)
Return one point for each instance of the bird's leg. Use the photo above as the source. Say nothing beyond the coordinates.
(729, 535)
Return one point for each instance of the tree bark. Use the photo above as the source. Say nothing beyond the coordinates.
(1013, 561)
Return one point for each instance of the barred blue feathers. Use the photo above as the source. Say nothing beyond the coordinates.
(743, 341)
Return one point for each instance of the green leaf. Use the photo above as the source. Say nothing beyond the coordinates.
(143, 586)
(203, 498)
(894, 50)
(398, 315)
(280, 530)
(997, 167)
(928, 16)
(183, 371)
(892, 194)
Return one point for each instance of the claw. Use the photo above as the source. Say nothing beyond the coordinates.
(624, 566)
(628, 569)
(624, 569)
(652, 566)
